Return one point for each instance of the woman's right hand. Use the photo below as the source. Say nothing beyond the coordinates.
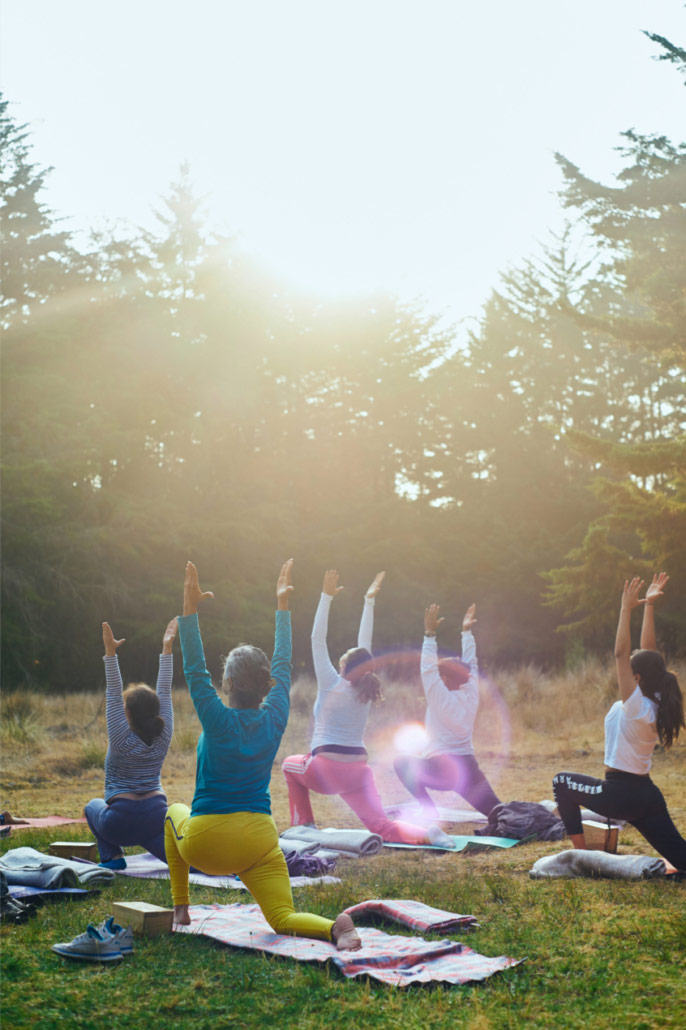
(192, 594)
(375, 586)
(108, 640)
(330, 585)
(432, 619)
(656, 588)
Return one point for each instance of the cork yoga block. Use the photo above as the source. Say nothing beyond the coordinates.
(142, 917)
(74, 849)
(600, 837)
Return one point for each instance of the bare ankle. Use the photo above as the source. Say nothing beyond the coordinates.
(181, 915)
(344, 935)
(578, 840)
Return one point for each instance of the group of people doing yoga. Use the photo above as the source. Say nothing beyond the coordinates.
(229, 828)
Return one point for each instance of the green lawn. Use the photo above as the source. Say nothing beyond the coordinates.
(598, 954)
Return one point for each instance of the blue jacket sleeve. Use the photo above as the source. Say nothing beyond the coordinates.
(278, 700)
(212, 713)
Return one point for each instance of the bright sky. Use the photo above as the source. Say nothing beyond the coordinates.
(349, 144)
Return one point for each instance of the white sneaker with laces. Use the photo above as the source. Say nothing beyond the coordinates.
(91, 946)
(123, 937)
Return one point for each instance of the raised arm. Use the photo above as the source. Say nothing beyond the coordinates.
(117, 724)
(468, 642)
(211, 711)
(653, 594)
(630, 600)
(324, 670)
(278, 698)
(366, 630)
(165, 676)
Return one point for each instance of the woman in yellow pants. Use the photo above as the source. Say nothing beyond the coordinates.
(229, 828)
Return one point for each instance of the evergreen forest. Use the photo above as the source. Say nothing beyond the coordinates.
(164, 398)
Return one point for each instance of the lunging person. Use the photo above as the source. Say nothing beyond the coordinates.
(337, 760)
(650, 710)
(229, 828)
(451, 686)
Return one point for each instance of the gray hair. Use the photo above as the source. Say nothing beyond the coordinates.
(249, 671)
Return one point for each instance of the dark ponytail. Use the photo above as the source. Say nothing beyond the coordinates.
(357, 666)
(143, 708)
(670, 710)
(662, 687)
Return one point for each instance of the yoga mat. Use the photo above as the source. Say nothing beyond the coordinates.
(46, 820)
(19, 891)
(148, 866)
(393, 960)
(415, 813)
(465, 844)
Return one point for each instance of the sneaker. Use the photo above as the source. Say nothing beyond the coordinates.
(90, 946)
(114, 863)
(123, 937)
(438, 838)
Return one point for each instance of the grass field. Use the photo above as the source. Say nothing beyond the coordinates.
(600, 954)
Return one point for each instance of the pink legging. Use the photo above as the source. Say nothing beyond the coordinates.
(354, 782)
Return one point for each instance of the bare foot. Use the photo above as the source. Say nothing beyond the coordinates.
(578, 840)
(182, 915)
(10, 820)
(344, 935)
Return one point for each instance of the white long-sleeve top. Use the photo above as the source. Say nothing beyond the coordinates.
(450, 714)
(131, 765)
(339, 718)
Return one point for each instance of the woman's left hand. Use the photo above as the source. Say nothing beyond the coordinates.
(632, 589)
(284, 587)
(375, 586)
(169, 636)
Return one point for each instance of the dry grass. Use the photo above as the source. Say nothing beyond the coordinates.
(598, 953)
(530, 726)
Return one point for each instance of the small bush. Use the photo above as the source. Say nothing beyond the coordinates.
(20, 716)
(93, 755)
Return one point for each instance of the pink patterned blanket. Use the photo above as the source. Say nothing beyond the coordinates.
(394, 960)
(413, 914)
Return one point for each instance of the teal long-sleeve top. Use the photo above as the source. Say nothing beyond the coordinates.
(237, 746)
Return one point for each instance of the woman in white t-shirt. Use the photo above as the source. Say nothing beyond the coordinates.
(650, 711)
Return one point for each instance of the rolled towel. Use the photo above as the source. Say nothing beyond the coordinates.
(573, 863)
(356, 842)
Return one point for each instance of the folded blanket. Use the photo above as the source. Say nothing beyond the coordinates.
(32, 868)
(414, 914)
(568, 864)
(355, 842)
(394, 960)
(146, 866)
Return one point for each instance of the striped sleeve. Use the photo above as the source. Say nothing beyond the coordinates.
(117, 723)
(165, 676)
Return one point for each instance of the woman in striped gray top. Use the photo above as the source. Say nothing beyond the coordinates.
(140, 724)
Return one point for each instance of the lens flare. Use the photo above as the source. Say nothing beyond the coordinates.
(410, 739)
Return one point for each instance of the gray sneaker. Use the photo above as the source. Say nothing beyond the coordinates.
(91, 946)
(123, 937)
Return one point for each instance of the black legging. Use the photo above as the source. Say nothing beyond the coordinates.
(621, 795)
(460, 773)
